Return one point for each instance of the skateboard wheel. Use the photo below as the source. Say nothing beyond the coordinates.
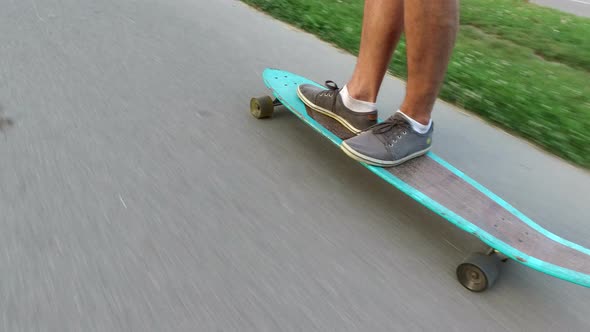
(261, 107)
(478, 272)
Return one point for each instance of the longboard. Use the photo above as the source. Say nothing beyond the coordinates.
(454, 196)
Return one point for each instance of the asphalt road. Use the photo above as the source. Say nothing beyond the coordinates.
(138, 194)
(578, 7)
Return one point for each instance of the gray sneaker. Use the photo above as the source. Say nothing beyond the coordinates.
(388, 143)
(328, 102)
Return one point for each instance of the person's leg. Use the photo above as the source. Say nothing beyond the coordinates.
(383, 23)
(430, 28)
(354, 105)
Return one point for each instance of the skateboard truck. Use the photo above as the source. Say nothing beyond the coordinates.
(276, 102)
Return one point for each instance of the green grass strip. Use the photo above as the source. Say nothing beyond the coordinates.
(496, 70)
(552, 34)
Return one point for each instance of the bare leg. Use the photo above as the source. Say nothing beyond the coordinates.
(353, 107)
(431, 28)
(383, 22)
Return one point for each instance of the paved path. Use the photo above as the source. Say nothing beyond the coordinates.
(578, 7)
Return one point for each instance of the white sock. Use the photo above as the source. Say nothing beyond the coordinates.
(356, 105)
(417, 126)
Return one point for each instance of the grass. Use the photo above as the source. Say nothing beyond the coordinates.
(549, 33)
(520, 66)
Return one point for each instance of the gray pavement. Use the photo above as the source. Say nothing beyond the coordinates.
(138, 194)
(578, 7)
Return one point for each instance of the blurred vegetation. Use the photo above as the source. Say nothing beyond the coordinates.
(518, 65)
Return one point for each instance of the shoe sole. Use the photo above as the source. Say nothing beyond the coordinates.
(376, 162)
(325, 112)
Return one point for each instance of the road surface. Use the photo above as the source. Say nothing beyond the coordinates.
(138, 194)
(578, 7)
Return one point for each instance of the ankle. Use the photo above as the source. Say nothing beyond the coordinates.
(423, 120)
(417, 114)
(361, 92)
(355, 104)
(417, 126)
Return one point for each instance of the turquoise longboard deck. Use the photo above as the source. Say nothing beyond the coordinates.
(457, 198)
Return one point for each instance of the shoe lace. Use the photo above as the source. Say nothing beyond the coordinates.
(332, 90)
(392, 129)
